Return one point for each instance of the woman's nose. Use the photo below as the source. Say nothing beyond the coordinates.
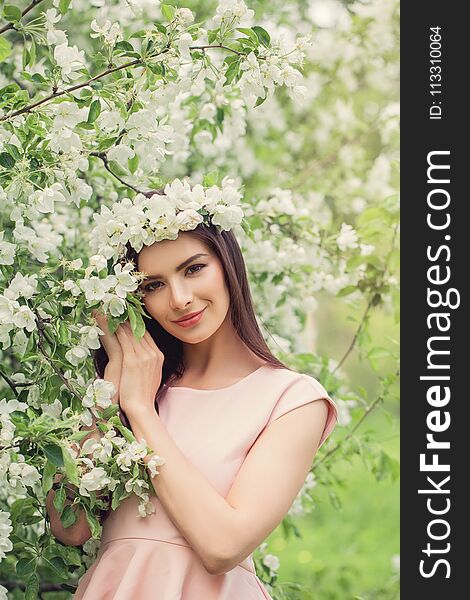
(180, 296)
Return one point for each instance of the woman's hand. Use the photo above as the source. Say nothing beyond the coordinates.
(109, 341)
(141, 373)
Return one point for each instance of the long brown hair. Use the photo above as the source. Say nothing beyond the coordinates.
(225, 246)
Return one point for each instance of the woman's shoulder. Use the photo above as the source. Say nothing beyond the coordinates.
(291, 390)
(287, 378)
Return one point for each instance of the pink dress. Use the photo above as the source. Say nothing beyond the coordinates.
(146, 558)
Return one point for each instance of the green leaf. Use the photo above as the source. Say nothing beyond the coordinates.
(355, 261)
(263, 35)
(70, 554)
(63, 333)
(93, 524)
(11, 13)
(64, 6)
(126, 433)
(117, 169)
(57, 564)
(54, 454)
(38, 78)
(26, 566)
(220, 115)
(124, 46)
(230, 59)
(68, 517)
(70, 467)
(133, 163)
(119, 494)
(59, 499)
(25, 57)
(32, 52)
(260, 100)
(386, 465)
(212, 35)
(109, 411)
(5, 49)
(13, 151)
(94, 112)
(249, 32)
(6, 160)
(349, 289)
(32, 588)
(47, 477)
(23, 509)
(210, 179)
(136, 321)
(168, 11)
(232, 72)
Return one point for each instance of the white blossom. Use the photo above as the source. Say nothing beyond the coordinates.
(95, 479)
(132, 453)
(228, 9)
(146, 507)
(272, 562)
(69, 59)
(110, 33)
(126, 283)
(76, 355)
(54, 409)
(154, 462)
(24, 318)
(99, 393)
(94, 288)
(90, 336)
(24, 286)
(7, 251)
(227, 216)
(347, 238)
(5, 530)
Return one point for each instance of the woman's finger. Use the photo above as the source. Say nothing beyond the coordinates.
(135, 342)
(125, 341)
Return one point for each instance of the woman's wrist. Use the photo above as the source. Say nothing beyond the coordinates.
(114, 367)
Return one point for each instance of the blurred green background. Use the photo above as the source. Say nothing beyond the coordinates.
(352, 551)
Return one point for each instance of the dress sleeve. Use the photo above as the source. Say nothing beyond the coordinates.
(302, 391)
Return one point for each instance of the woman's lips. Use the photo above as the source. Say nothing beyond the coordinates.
(192, 321)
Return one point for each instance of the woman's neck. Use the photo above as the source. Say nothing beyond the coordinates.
(223, 356)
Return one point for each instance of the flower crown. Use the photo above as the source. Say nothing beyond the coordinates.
(148, 219)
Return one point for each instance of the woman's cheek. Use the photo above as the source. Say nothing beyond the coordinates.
(151, 307)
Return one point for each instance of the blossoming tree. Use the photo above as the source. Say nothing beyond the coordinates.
(102, 103)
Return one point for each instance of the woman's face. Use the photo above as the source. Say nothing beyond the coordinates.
(183, 276)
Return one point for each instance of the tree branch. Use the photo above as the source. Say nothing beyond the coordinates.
(217, 46)
(30, 7)
(10, 383)
(30, 107)
(356, 335)
(369, 409)
(369, 304)
(41, 338)
(133, 63)
(104, 158)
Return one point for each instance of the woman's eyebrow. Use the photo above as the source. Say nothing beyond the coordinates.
(179, 267)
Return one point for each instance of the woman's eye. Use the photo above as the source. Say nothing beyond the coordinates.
(195, 267)
(148, 287)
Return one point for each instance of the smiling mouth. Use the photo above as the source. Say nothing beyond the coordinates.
(191, 320)
(189, 317)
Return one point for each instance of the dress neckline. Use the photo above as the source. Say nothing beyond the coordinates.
(229, 387)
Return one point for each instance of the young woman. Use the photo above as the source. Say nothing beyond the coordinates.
(238, 430)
